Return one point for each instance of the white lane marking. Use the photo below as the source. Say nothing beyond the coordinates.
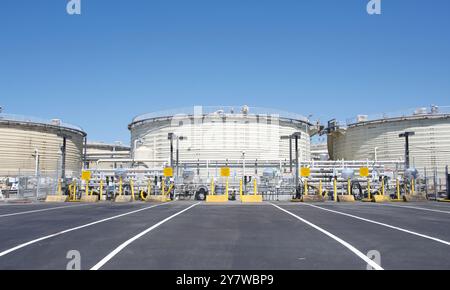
(74, 229)
(41, 210)
(117, 250)
(415, 207)
(339, 240)
(381, 224)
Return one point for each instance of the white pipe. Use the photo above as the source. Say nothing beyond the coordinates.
(36, 166)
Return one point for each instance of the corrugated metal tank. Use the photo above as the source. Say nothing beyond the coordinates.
(429, 147)
(21, 136)
(219, 135)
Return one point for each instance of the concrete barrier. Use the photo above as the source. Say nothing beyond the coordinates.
(89, 198)
(216, 198)
(414, 198)
(381, 198)
(346, 198)
(312, 198)
(252, 198)
(123, 198)
(56, 198)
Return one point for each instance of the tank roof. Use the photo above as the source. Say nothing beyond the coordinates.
(33, 121)
(410, 114)
(220, 110)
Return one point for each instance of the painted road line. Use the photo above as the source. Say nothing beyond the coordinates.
(41, 210)
(339, 240)
(381, 224)
(128, 242)
(415, 207)
(74, 229)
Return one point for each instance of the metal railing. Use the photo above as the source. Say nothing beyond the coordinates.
(205, 110)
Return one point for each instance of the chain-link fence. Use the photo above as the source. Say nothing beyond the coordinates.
(28, 186)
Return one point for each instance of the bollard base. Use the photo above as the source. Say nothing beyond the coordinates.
(251, 199)
(381, 198)
(89, 198)
(346, 198)
(123, 198)
(414, 198)
(157, 198)
(56, 198)
(312, 198)
(216, 198)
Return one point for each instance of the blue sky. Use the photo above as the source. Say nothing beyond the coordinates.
(122, 58)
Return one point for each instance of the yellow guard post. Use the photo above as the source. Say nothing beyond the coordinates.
(212, 198)
(255, 198)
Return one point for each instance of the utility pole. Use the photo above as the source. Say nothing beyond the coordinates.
(406, 135)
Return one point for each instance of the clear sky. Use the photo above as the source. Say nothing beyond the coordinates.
(121, 58)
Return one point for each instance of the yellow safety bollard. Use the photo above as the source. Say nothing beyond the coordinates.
(120, 185)
(101, 189)
(413, 189)
(320, 187)
(59, 186)
(369, 195)
(398, 189)
(212, 186)
(74, 193)
(253, 198)
(382, 186)
(335, 189)
(241, 189)
(75, 190)
(349, 187)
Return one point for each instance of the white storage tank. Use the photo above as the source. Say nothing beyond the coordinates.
(378, 138)
(220, 133)
(22, 138)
